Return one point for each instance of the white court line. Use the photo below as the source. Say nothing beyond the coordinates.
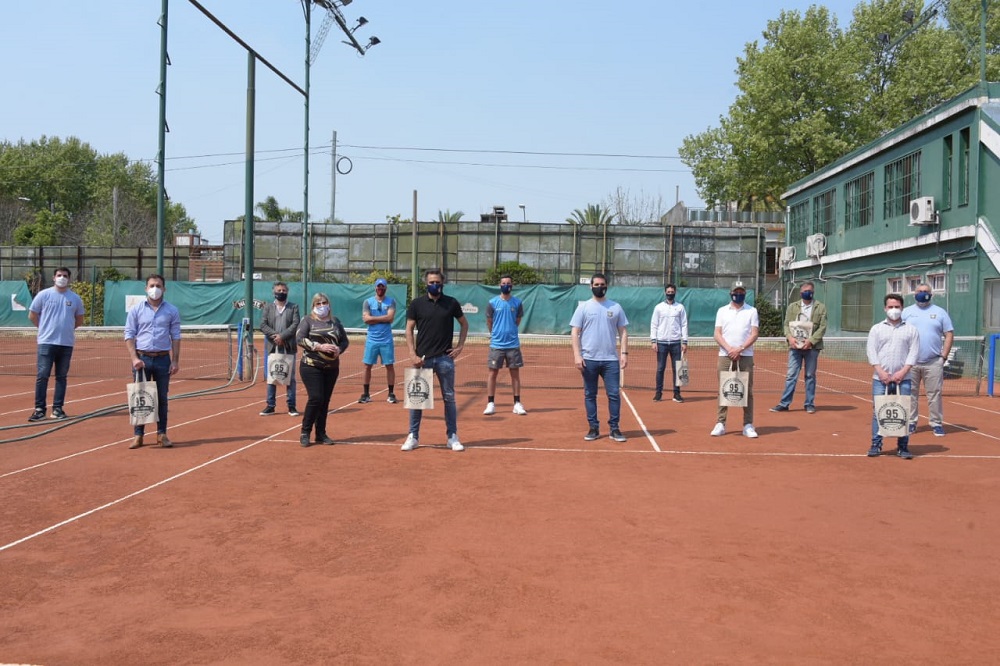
(642, 425)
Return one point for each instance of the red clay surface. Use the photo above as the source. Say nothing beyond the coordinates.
(532, 546)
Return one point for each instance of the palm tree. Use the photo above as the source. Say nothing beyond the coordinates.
(449, 217)
(270, 209)
(594, 214)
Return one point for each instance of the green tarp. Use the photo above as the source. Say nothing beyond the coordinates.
(14, 301)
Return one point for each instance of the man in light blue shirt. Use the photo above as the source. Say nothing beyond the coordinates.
(503, 316)
(378, 313)
(57, 312)
(596, 327)
(153, 340)
(936, 337)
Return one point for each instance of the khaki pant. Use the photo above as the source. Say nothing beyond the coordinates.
(745, 364)
(932, 375)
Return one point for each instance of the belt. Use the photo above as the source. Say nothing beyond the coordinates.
(153, 354)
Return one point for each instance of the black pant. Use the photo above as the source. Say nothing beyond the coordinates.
(319, 387)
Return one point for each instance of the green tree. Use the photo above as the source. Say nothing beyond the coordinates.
(594, 215)
(771, 325)
(448, 217)
(520, 273)
(43, 231)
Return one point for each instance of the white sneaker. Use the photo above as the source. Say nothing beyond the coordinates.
(410, 443)
(748, 431)
(490, 409)
(454, 444)
(519, 409)
(719, 430)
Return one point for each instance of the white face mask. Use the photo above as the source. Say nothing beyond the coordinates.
(321, 310)
(155, 293)
(894, 314)
(62, 281)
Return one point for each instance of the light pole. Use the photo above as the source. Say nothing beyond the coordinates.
(524, 215)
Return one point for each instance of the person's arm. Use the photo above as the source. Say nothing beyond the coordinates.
(623, 355)
(520, 314)
(345, 341)
(366, 313)
(287, 336)
(267, 317)
(302, 334)
(33, 316)
(654, 324)
(463, 331)
(411, 343)
(175, 343)
(137, 363)
(731, 352)
(789, 314)
(754, 334)
(574, 335)
(79, 321)
(949, 339)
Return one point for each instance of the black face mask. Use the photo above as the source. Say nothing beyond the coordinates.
(599, 291)
(671, 297)
(281, 297)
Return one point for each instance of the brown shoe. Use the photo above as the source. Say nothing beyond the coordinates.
(137, 442)
(161, 439)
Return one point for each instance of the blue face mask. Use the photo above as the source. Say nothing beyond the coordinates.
(434, 289)
(738, 298)
(922, 297)
(505, 288)
(807, 295)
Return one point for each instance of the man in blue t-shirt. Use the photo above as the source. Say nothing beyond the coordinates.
(936, 337)
(57, 312)
(596, 327)
(503, 316)
(378, 312)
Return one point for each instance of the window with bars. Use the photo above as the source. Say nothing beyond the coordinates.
(798, 223)
(902, 185)
(856, 306)
(937, 281)
(825, 213)
(859, 201)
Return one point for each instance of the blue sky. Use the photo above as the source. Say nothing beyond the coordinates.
(631, 77)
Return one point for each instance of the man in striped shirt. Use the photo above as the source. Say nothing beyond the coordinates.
(892, 350)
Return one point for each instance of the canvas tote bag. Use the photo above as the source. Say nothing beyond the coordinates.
(279, 368)
(419, 387)
(733, 387)
(681, 377)
(143, 401)
(801, 330)
(892, 412)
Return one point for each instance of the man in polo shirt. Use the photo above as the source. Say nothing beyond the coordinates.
(153, 340)
(893, 346)
(937, 334)
(503, 316)
(57, 312)
(737, 326)
(433, 316)
(378, 313)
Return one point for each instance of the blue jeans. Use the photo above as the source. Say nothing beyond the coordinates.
(611, 372)
(158, 370)
(664, 349)
(49, 356)
(272, 389)
(878, 388)
(796, 358)
(444, 370)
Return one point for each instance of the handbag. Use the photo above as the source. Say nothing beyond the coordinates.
(279, 368)
(419, 388)
(681, 377)
(800, 330)
(143, 401)
(892, 412)
(733, 387)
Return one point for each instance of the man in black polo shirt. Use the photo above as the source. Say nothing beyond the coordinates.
(433, 318)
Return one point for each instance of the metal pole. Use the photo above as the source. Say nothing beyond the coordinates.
(248, 196)
(333, 178)
(413, 251)
(160, 155)
(307, 6)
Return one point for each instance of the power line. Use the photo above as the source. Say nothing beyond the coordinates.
(521, 166)
(515, 152)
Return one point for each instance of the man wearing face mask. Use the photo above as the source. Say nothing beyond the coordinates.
(503, 316)
(430, 328)
(893, 346)
(596, 328)
(153, 340)
(737, 326)
(668, 330)
(278, 322)
(805, 326)
(936, 337)
(57, 312)
(378, 313)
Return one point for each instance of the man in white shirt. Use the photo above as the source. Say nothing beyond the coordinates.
(737, 327)
(892, 347)
(668, 331)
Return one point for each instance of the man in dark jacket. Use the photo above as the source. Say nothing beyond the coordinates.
(278, 323)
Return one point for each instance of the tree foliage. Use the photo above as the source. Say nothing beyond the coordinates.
(594, 214)
(520, 273)
(448, 217)
(810, 91)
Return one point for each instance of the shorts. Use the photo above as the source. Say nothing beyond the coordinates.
(511, 356)
(374, 350)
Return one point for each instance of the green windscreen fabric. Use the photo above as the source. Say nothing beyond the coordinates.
(15, 298)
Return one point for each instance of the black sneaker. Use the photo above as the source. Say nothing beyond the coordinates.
(364, 398)
(325, 440)
(904, 454)
(617, 435)
(392, 398)
(875, 451)
(267, 411)
(810, 409)
(304, 440)
(657, 397)
(39, 415)
(58, 413)
(779, 408)
(678, 398)
(292, 411)
(592, 434)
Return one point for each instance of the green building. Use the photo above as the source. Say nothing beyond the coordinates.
(920, 204)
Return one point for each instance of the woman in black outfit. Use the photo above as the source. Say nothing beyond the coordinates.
(323, 339)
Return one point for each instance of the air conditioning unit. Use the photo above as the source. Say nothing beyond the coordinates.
(816, 245)
(922, 212)
(787, 255)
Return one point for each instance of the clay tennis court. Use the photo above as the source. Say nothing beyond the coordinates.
(532, 546)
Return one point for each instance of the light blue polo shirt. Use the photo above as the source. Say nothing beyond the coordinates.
(57, 313)
(931, 322)
(598, 322)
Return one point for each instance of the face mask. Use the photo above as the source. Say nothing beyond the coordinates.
(62, 281)
(599, 291)
(505, 288)
(671, 297)
(155, 293)
(922, 297)
(321, 310)
(281, 297)
(894, 313)
(380, 291)
(738, 298)
(434, 289)
(807, 295)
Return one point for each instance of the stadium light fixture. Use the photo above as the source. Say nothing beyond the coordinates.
(373, 41)
(361, 21)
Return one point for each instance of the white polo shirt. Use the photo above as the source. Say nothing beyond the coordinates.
(737, 324)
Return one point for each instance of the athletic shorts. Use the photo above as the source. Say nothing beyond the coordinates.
(512, 357)
(373, 350)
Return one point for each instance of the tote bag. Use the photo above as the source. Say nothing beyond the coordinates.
(681, 377)
(143, 401)
(279, 368)
(419, 384)
(733, 387)
(892, 412)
